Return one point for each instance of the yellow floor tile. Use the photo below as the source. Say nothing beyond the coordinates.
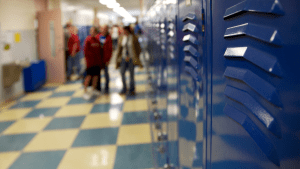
(29, 125)
(135, 105)
(7, 159)
(14, 114)
(52, 140)
(79, 93)
(100, 157)
(140, 77)
(103, 99)
(36, 96)
(53, 102)
(74, 110)
(69, 87)
(134, 134)
(102, 120)
(140, 88)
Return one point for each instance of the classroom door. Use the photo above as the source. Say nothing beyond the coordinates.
(51, 44)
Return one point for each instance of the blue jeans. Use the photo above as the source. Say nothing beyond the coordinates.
(71, 62)
(106, 77)
(124, 66)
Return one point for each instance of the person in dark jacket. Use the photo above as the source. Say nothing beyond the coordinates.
(106, 53)
(128, 56)
(92, 53)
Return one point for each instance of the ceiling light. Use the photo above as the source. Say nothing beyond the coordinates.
(103, 2)
(113, 5)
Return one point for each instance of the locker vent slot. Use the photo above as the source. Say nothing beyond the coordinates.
(258, 84)
(266, 34)
(259, 6)
(190, 27)
(259, 111)
(263, 142)
(190, 38)
(189, 16)
(192, 61)
(191, 50)
(257, 57)
(191, 71)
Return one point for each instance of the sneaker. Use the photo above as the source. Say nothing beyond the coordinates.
(96, 92)
(123, 92)
(87, 96)
(132, 93)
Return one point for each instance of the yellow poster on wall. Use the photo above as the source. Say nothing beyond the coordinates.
(17, 37)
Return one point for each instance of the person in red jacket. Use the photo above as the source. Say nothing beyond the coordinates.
(106, 53)
(92, 53)
(73, 49)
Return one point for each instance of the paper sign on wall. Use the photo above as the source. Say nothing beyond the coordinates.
(17, 37)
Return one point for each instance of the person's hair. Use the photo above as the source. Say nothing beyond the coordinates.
(127, 28)
(95, 29)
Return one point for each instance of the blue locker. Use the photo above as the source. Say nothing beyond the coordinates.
(225, 83)
(254, 103)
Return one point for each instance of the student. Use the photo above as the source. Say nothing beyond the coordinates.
(73, 49)
(127, 57)
(106, 53)
(67, 36)
(115, 35)
(92, 49)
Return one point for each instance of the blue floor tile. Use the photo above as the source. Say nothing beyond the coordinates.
(5, 125)
(44, 112)
(134, 156)
(103, 136)
(136, 96)
(27, 104)
(135, 118)
(14, 142)
(141, 82)
(79, 100)
(101, 108)
(74, 82)
(46, 89)
(39, 160)
(65, 123)
(63, 94)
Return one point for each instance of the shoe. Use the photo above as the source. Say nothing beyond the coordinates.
(132, 93)
(123, 92)
(96, 92)
(87, 96)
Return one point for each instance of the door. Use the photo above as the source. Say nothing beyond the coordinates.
(51, 44)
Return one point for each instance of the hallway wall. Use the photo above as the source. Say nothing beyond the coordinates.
(16, 16)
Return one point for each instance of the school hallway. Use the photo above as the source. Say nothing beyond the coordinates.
(55, 127)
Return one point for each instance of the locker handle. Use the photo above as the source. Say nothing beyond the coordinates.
(192, 72)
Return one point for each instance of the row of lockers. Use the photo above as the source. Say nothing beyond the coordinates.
(224, 88)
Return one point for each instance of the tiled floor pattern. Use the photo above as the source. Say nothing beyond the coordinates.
(55, 128)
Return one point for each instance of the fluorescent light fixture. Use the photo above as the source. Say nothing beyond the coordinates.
(103, 2)
(113, 5)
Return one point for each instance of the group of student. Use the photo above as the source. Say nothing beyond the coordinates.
(98, 48)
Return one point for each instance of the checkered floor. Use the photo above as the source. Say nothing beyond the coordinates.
(56, 128)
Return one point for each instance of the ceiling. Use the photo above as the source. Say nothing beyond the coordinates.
(91, 4)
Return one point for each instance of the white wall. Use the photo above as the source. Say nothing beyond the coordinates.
(16, 16)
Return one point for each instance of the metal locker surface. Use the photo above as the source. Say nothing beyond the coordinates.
(253, 107)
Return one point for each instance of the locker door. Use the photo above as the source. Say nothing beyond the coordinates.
(255, 104)
(190, 67)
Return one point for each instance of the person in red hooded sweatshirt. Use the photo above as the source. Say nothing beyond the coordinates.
(92, 53)
(106, 53)
(73, 49)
